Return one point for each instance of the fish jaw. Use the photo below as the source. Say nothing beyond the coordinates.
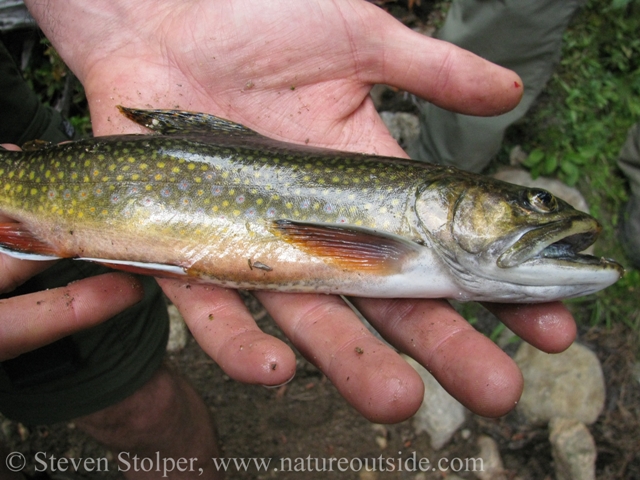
(541, 264)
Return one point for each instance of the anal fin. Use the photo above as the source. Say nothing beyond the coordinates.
(353, 248)
(18, 242)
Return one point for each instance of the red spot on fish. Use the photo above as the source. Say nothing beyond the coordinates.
(516, 84)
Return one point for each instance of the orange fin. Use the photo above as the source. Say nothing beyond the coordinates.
(18, 242)
(353, 248)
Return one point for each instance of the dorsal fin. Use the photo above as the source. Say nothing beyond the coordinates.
(170, 122)
(36, 145)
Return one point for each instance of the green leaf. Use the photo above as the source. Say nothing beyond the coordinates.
(550, 164)
(571, 172)
(534, 158)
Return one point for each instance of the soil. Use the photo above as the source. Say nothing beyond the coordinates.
(308, 419)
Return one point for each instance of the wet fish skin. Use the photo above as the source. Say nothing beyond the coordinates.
(217, 202)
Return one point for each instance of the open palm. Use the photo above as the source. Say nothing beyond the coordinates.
(301, 71)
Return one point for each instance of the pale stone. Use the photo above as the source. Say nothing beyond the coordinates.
(440, 415)
(492, 466)
(404, 127)
(178, 332)
(573, 448)
(568, 384)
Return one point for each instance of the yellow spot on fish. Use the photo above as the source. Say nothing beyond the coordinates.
(143, 166)
(60, 175)
(383, 210)
(112, 167)
(131, 160)
(100, 157)
(225, 203)
(175, 170)
(135, 176)
(259, 201)
(158, 176)
(74, 176)
(191, 166)
(120, 178)
(237, 212)
(289, 205)
(105, 179)
(159, 165)
(7, 187)
(197, 180)
(34, 191)
(80, 214)
(87, 163)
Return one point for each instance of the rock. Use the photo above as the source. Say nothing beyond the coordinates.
(404, 127)
(568, 384)
(636, 371)
(178, 332)
(440, 415)
(573, 449)
(492, 467)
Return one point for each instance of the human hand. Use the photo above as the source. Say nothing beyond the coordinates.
(301, 72)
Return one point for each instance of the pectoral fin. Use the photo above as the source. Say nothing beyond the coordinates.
(18, 242)
(350, 247)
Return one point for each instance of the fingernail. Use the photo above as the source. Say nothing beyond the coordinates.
(281, 384)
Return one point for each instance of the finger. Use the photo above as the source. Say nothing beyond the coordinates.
(466, 363)
(547, 326)
(15, 271)
(367, 373)
(31, 321)
(224, 328)
(10, 146)
(439, 72)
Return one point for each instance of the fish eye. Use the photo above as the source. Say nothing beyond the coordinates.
(542, 201)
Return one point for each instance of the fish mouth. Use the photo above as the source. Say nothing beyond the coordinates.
(560, 243)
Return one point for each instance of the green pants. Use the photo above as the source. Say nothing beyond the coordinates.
(89, 370)
(522, 35)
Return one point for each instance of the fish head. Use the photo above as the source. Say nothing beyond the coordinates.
(524, 241)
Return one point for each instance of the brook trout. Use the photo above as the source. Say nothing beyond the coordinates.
(212, 201)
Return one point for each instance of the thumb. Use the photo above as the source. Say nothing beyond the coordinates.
(440, 72)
